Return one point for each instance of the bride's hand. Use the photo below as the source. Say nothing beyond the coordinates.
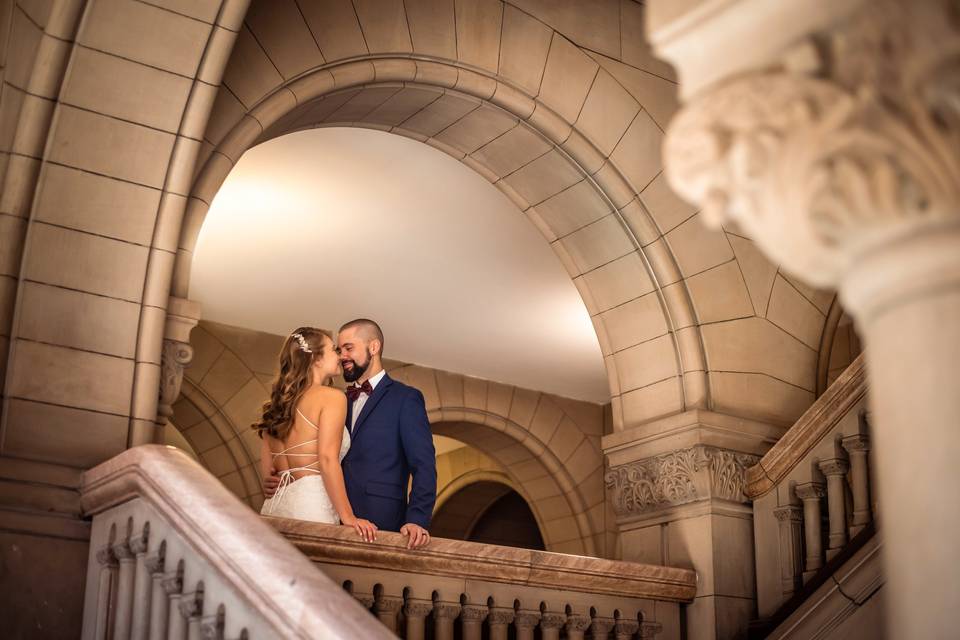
(366, 529)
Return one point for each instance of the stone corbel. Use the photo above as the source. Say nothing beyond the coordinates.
(182, 316)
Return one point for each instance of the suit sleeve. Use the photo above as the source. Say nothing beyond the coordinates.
(417, 441)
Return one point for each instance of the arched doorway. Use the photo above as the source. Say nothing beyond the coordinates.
(489, 512)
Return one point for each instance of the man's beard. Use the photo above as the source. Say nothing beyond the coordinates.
(357, 371)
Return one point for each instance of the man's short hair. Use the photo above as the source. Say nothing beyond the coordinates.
(370, 329)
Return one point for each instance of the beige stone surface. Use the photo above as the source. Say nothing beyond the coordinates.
(547, 175)
(525, 43)
(598, 243)
(384, 25)
(698, 248)
(637, 153)
(402, 106)
(567, 78)
(440, 114)
(607, 112)
(634, 322)
(720, 294)
(280, 29)
(573, 208)
(334, 25)
(619, 281)
(432, 29)
(511, 150)
(477, 128)
(478, 32)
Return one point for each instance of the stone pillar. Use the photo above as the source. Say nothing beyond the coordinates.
(811, 493)
(444, 613)
(835, 469)
(158, 597)
(105, 592)
(833, 140)
(576, 626)
(471, 621)
(625, 629)
(550, 625)
(789, 518)
(191, 611)
(679, 500)
(600, 628)
(499, 620)
(416, 612)
(525, 621)
(387, 609)
(176, 625)
(142, 582)
(857, 447)
(124, 601)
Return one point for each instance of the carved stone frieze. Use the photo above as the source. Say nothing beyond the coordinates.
(525, 619)
(417, 608)
(820, 159)
(551, 620)
(680, 477)
(578, 623)
(499, 616)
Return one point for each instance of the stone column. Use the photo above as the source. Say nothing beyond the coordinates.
(416, 612)
(789, 518)
(857, 447)
(649, 630)
(811, 493)
(600, 628)
(471, 620)
(142, 583)
(576, 626)
(158, 597)
(499, 620)
(550, 625)
(835, 469)
(191, 610)
(833, 140)
(444, 613)
(176, 625)
(105, 592)
(124, 601)
(525, 621)
(387, 609)
(625, 629)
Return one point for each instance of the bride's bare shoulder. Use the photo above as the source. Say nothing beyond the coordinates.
(324, 396)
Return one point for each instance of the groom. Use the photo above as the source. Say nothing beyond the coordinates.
(390, 440)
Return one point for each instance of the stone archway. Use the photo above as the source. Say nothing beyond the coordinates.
(488, 510)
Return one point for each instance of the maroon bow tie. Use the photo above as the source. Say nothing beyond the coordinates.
(353, 391)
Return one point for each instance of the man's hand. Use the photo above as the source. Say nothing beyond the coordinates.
(418, 536)
(270, 484)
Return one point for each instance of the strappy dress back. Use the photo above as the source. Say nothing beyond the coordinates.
(304, 498)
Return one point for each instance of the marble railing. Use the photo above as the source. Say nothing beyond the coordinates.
(812, 492)
(483, 590)
(173, 554)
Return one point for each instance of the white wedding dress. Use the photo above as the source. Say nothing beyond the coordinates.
(304, 498)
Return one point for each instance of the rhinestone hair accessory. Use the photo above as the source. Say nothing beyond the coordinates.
(302, 342)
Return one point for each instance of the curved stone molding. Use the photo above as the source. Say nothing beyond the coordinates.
(680, 477)
(819, 420)
(855, 138)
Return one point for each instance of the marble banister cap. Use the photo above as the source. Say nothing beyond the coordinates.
(265, 570)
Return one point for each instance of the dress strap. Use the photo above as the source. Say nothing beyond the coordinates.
(300, 413)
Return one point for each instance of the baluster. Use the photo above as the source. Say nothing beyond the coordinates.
(386, 609)
(625, 629)
(858, 446)
(142, 582)
(576, 626)
(649, 629)
(550, 625)
(416, 612)
(444, 613)
(158, 596)
(789, 518)
(124, 599)
(471, 620)
(105, 608)
(525, 621)
(500, 619)
(191, 609)
(810, 493)
(212, 627)
(836, 471)
(173, 587)
(600, 628)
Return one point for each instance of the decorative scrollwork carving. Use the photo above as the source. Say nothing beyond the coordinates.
(174, 358)
(679, 477)
(815, 165)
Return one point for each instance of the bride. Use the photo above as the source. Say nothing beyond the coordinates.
(304, 437)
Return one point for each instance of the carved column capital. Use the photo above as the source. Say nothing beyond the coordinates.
(106, 557)
(415, 608)
(191, 604)
(173, 583)
(600, 627)
(526, 619)
(857, 443)
(679, 477)
(446, 610)
(789, 513)
(121, 551)
(626, 628)
(649, 629)
(501, 615)
(846, 140)
(474, 612)
(177, 353)
(387, 604)
(553, 620)
(155, 563)
(577, 623)
(811, 490)
(138, 544)
(834, 467)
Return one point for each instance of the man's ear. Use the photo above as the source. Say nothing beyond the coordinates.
(375, 347)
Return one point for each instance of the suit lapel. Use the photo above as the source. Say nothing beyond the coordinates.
(371, 403)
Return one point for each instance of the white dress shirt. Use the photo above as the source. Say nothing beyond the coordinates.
(362, 398)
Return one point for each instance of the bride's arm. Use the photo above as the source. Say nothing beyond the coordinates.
(333, 415)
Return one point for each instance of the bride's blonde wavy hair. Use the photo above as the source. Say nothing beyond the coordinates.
(299, 351)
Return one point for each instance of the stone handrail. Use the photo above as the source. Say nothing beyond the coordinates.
(467, 582)
(816, 422)
(174, 554)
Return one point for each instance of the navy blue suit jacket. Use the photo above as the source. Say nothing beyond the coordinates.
(391, 441)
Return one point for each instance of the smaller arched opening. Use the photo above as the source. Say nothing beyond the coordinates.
(490, 512)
